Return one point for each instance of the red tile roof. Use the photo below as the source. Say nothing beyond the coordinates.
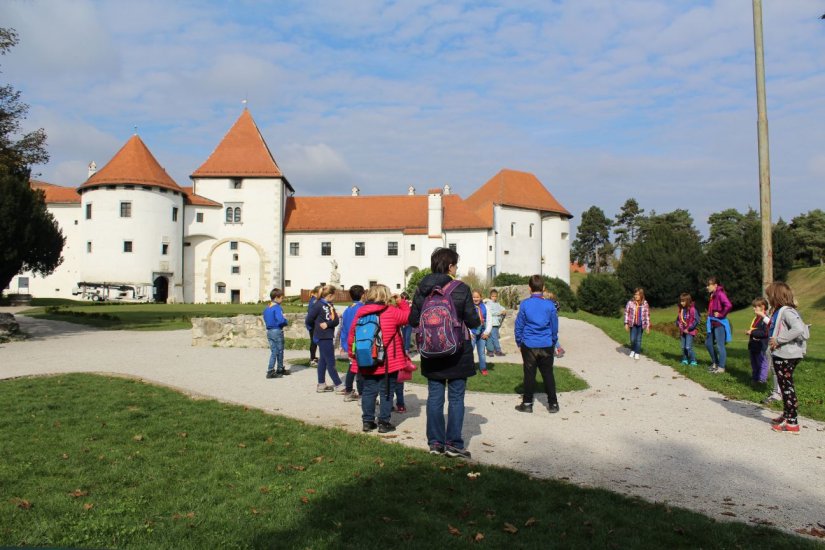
(134, 164)
(406, 213)
(513, 188)
(56, 194)
(241, 153)
(196, 200)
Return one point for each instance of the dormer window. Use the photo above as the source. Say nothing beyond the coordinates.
(236, 183)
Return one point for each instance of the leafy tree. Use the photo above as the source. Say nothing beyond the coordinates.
(601, 294)
(809, 232)
(565, 295)
(679, 220)
(592, 246)
(507, 279)
(627, 224)
(724, 224)
(30, 239)
(737, 259)
(415, 278)
(665, 261)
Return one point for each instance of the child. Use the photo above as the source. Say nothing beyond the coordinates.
(636, 320)
(497, 314)
(788, 345)
(324, 319)
(406, 330)
(718, 326)
(356, 292)
(313, 347)
(536, 334)
(548, 295)
(758, 333)
(687, 319)
(275, 322)
(482, 332)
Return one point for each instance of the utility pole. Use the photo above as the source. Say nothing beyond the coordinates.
(764, 158)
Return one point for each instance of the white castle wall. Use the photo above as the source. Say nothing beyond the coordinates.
(556, 247)
(516, 250)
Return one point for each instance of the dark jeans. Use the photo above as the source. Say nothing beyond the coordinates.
(313, 347)
(718, 353)
(406, 331)
(399, 394)
(356, 378)
(326, 364)
(437, 432)
(636, 339)
(759, 365)
(276, 348)
(541, 359)
(375, 385)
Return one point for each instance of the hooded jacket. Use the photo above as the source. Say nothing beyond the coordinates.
(719, 302)
(460, 365)
(391, 319)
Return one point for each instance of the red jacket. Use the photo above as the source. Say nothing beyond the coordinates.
(391, 319)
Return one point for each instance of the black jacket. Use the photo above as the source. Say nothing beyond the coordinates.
(460, 365)
(322, 312)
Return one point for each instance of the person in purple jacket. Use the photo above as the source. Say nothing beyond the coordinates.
(719, 331)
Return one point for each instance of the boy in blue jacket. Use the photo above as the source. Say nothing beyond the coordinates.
(537, 332)
(275, 322)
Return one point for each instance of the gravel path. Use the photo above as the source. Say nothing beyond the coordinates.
(640, 429)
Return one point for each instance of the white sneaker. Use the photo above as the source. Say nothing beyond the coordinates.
(637, 356)
(631, 354)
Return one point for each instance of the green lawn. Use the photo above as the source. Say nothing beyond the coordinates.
(504, 378)
(97, 462)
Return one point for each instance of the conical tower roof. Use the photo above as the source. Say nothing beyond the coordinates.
(241, 153)
(133, 164)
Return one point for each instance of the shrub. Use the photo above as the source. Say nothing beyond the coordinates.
(509, 297)
(508, 279)
(601, 295)
(566, 297)
(415, 278)
(670, 329)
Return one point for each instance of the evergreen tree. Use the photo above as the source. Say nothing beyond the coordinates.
(592, 246)
(626, 226)
(809, 232)
(30, 239)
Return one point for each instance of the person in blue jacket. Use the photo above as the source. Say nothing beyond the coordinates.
(356, 293)
(537, 332)
(275, 322)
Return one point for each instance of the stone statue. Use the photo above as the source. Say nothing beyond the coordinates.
(334, 276)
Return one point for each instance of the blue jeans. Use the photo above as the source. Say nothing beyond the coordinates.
(406, 331)
(636, 339)
(326, 363)
(375, 385)
(436, 432)
(276, 348)
(687, 347)
(480, 346)
(399, 394)
(718, 353)
(493, 344)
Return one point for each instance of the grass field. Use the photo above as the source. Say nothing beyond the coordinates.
(504, 378)
(96, 462)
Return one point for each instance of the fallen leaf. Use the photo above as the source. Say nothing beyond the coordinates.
(65, 456)
(379, 462)
(453, 531)
(269, 439)
(254, 511)
(530, 522)
(22, 503)
(311, 491)
(473, 475)
(264, 490)
(486, 444)
(490, 514)
(138, 437)
(318, 459)
(298, 468)
(242, 445)
(183, 435)
(386, 519)
(510, 528)
(79, 493)
(478, 537)
(88, 506)
(727, 513)
(305, 500)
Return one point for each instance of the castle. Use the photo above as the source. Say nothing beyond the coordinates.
(132, 233)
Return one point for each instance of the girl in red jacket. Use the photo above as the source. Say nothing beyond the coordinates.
(393, 313)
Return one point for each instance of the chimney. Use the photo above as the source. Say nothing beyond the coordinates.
(447, 189)
(356, 192)
(434, 213)
(411, 190)
(92, 169)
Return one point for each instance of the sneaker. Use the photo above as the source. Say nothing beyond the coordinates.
(636, 356)
(712, 368)
(340, 389)
(694, 364)
(351, 396)
(270, 374)
(771, 398)
(436, 449)
(369, 426)
(786, 427)
(778, 420)
(313, 362)
(718, 371)
(455, 452)
(385, 427)
(524, 407)
(286, 372)
(500, 354)
(484, 373)
(323, 388)
(400, 409)
(553, 408)
(490, 354)
(684, 361)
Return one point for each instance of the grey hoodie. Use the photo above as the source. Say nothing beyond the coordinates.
(789, 335)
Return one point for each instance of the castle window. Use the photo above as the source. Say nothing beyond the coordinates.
(531, 230)
(564, 236)
(174, 213)
(88, 247)
(513, 229)
(294, 249)
(234, 257)
(233, 245)
(199, 217)
(412, 247)
(164, 249)
(127, 246)
(236, 270)
(360, 249)
(453, 247)
(236, 215)
(233, 214)
(326, 249)
(392, 248)
(287, 282)
(228, 214)
(126, 209)
(220, 288)
(236, 183)
(89, 211)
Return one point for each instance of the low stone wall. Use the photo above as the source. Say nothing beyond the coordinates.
(9, 329)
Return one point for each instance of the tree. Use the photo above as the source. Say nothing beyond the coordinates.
(665, 262)
(724, 224)
(627, 224)
(679, 220)
(592, 246)
(601, 294)
(30, 239)
(809, 232)
(415, 278)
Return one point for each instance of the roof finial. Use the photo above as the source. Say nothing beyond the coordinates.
(245, 101)
(136, 129)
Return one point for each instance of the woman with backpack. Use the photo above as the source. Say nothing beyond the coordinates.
(788, 346)
(446, 357)
(384, 347)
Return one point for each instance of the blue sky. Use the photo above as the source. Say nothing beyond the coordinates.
(602, 100)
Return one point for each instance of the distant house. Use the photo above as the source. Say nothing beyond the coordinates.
(132, 233)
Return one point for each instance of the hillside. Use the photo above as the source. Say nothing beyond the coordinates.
(808, 285)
